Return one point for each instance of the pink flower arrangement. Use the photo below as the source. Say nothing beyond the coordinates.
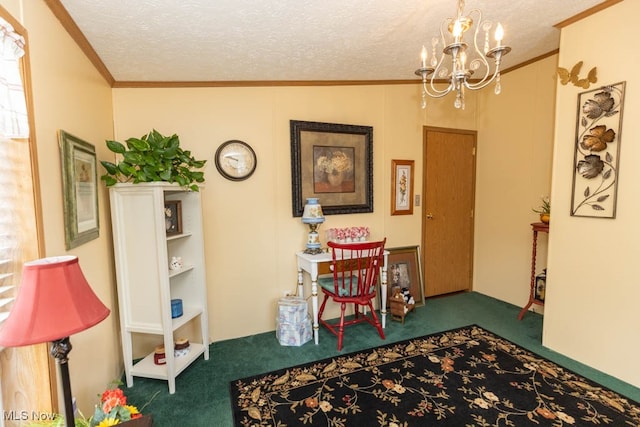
(348, 234)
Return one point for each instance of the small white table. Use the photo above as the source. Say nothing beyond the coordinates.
(309, 263)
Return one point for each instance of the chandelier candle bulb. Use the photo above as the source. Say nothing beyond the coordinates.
(457, 30)
(423, 56)
(499, 34)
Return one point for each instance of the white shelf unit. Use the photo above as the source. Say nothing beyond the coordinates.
(146, 285)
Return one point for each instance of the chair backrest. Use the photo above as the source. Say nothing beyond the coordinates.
(356, 267)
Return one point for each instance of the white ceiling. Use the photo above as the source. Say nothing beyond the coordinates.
(283, 40)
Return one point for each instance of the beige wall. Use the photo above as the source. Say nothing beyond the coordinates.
(250, 233)
(591, 314)
(69, 94)
(515, 141)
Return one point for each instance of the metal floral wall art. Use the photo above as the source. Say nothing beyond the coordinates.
(598, 130)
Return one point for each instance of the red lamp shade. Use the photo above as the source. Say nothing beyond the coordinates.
(54, 301)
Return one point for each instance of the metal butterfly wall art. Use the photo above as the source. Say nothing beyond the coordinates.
(572, 76)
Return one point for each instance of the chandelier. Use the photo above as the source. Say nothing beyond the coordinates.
(457, 65)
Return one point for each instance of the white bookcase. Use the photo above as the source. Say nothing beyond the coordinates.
(146, 285)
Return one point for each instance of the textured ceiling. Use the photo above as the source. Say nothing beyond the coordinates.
(284, 40)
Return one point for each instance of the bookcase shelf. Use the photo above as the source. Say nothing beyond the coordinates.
(146, 285)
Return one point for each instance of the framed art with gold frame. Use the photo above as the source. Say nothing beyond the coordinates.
(402, 187)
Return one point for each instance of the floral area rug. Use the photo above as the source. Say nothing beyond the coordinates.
(462, 377)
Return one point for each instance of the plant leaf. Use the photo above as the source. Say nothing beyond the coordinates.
(587, 191)
(134, 158)
(108, 180)
(116, 147)
(138, 144)
(111, 168)
(597, 207)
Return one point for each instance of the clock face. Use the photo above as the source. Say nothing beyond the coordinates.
(235, 160)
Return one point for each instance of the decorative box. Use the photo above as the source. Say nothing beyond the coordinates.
(400, 303)
(294, 334)
(292, 310)
(176, 308)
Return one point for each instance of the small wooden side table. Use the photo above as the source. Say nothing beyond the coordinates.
(536, 227)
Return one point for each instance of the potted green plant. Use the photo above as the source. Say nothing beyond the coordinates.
(544, 210)
(152, 158)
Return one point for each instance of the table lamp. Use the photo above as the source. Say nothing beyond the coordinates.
(54, 301)
(313, 216)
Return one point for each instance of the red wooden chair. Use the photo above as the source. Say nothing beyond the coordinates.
(356, 267)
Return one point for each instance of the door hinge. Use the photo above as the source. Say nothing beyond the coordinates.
(473, 151)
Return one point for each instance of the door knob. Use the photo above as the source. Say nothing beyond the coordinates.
(429, 216)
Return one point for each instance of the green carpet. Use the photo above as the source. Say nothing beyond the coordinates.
(202, 391)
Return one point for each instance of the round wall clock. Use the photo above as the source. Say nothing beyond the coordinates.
(235, 160)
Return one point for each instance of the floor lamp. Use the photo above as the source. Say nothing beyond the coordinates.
(54, 301)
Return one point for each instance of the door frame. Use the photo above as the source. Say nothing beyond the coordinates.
(425, 131)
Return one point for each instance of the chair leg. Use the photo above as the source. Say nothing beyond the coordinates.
(376, 321)
(324, 302)
(343, 307)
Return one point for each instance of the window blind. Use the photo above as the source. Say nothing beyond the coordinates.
(17, 218)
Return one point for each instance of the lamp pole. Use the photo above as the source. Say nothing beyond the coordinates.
(60, 351)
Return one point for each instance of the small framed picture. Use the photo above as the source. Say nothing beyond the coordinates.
(404, 272)
(402, 187)
(173, 217)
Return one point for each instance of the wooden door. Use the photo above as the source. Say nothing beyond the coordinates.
(447, 224)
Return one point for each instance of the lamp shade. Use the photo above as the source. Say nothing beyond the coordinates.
(54, 301)
(312, 213)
